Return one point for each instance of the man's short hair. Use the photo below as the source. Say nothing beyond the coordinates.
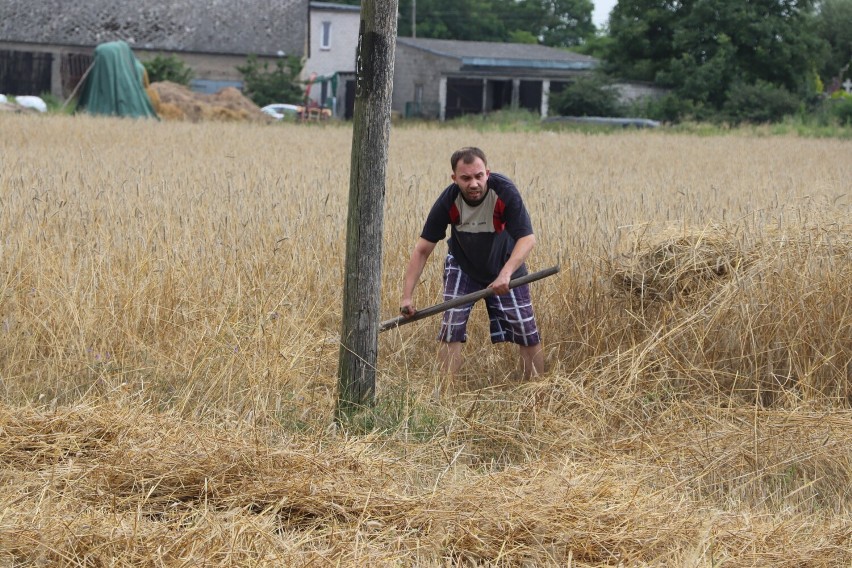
(467, 155)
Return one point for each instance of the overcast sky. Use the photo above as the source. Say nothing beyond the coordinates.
(601, 13)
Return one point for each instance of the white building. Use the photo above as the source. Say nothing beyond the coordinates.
(332, 45)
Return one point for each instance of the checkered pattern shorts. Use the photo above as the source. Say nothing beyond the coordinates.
(511, 315)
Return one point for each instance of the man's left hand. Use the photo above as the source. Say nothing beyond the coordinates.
(500, 285)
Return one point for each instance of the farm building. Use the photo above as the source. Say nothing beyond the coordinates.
(437, 78)
(332, 44)
(47, 45)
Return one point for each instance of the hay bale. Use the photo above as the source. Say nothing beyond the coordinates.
(180, 103)
(679, 266)
(170, 111)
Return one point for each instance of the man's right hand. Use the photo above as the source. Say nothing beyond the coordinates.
(406, 310)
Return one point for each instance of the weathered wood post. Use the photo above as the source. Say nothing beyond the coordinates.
(356, 371)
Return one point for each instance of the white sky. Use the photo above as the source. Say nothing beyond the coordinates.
(601, 12)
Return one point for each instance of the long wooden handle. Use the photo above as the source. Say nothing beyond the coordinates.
(466, 299)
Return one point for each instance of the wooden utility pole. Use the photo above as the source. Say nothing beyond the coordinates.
(359, 336)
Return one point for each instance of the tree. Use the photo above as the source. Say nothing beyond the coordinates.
(834, 25)
(758, 103)
(472, 20)
(587, 96)
(565, 23)
(169, 68)
(266, 86)
(702, 48)
(641, 38)
(560, 23)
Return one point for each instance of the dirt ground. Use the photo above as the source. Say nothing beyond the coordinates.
(176, 102)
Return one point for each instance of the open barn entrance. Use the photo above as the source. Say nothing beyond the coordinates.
(25, 73)
(501, 94)
(464, 96)
(530, 95)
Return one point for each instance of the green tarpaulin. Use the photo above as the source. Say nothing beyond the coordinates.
(115, 84)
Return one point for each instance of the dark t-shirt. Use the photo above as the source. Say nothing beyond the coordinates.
(482, 236)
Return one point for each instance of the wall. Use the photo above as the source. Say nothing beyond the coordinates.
(205, 66)
(417, 67)
(340, 56)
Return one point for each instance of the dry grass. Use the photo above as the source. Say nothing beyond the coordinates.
(169, 310)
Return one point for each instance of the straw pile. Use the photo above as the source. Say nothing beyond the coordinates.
(675, 265)
(704, 297)
(176, 102)
(98, 485)
(682, 265)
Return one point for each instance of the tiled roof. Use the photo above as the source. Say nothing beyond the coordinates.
(485, 53)
(211, 26)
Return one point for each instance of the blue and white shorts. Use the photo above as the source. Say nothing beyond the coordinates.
(511, 315)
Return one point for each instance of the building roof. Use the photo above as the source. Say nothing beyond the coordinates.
(207, 26)
(493, 54)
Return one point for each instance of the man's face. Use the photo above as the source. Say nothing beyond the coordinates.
(472, 179)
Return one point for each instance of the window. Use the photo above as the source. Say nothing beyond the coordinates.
(325, 36)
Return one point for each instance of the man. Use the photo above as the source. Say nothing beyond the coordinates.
(490, 238)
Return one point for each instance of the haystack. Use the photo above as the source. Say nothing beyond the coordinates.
(176, 102)
(681, 265)
(675, 265)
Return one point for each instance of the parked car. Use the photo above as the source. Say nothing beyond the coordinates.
(281, 111)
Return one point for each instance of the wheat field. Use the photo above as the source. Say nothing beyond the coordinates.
(170, 302)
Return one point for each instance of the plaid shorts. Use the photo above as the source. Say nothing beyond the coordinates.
(511, 315)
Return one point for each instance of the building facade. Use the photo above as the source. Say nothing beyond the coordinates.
(332, 44)
(444, 79)
(46, 45)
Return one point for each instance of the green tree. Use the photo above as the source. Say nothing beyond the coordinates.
(473, 20)
(841, 109)
(834, 25)
(266, 86)
(560, 23)
(702, 48)
(587, 96)
(566, 23)
(171, 68)
(642, 38)
(759, 103)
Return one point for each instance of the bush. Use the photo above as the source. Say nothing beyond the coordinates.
(279, 85)
(587, 97)
(668, 108)
(759, 103)
(168, 69)
(841, 109)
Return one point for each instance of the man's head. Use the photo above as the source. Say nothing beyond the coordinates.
(470, 172)
(467, 156)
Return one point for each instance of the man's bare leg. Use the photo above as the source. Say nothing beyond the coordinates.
(449, 357)
(450, 361)
(532, 360)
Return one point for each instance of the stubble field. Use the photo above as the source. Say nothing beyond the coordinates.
(170, 302)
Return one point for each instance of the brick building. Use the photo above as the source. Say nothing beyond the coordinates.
(46, 45)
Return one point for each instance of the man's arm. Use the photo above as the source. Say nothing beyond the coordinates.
(419, 256)
(522, 249)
